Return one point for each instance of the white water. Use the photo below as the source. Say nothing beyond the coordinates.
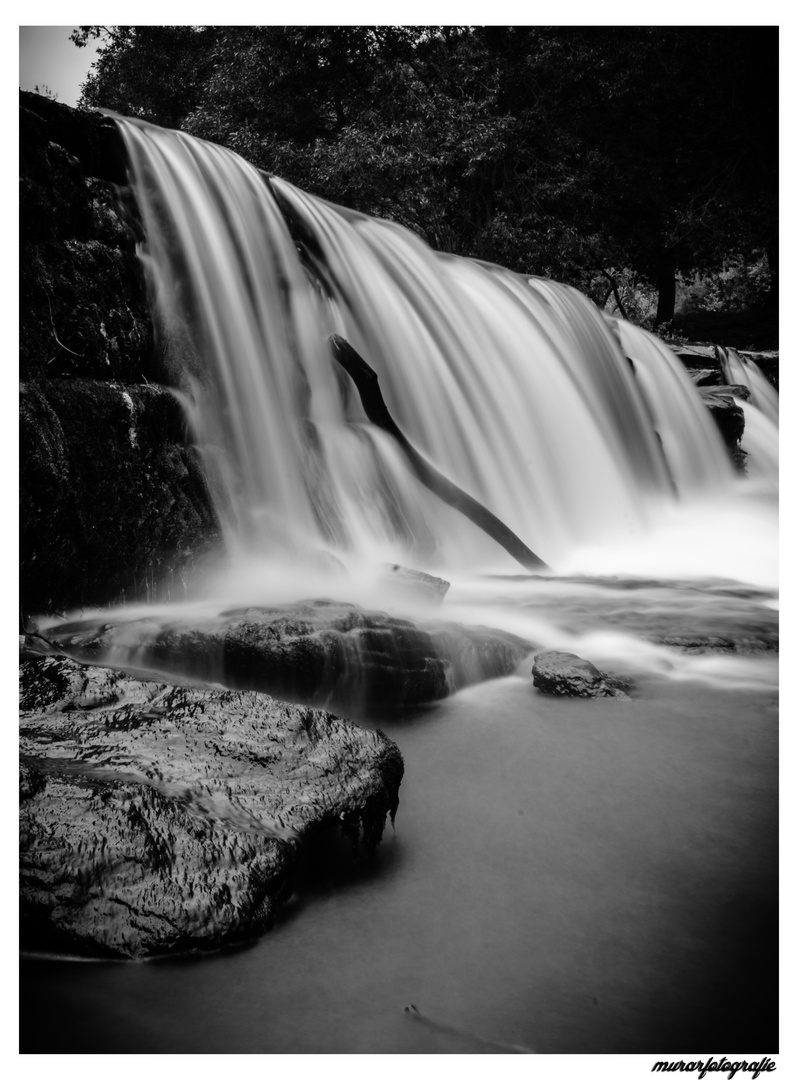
(742, 371)
(517, 389)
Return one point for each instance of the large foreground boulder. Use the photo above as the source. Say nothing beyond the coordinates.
(157, 818)
(317, 651)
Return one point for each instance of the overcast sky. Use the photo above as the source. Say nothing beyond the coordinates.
(47, 57)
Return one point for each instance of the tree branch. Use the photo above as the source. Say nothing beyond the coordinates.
(614, 287)
(367, 383)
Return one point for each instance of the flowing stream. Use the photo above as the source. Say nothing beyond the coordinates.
(565, 876)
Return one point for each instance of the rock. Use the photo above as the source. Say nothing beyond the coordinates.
(706, 377)
(570, 675)
(767, 362)
(89, 136)
(111, 498)
(744, 644)
(414, 583)
(157, 818)
(728, 416)
(83, 299)
(316, 651)
(703, 366)
(699, 358)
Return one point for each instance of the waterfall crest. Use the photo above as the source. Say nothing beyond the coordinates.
(518, 389)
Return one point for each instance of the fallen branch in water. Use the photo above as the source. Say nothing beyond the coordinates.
(367, 383)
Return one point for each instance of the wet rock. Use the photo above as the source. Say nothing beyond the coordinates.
(316, 652)
(409, 582)
(83, 303)
(89, 136)
(707, 377)
(743, 643)
(727, 414)
(157, 818)
(112, 500)
(701, 358)
(569, 675)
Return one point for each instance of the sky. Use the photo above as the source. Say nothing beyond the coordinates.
(48, 58)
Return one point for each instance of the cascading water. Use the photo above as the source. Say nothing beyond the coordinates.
(518, 389)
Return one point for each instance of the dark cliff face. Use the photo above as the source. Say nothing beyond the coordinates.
(83, 306)
(112, 501)
(111, 495)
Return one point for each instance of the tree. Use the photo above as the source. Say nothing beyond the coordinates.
(155, 73)
(558, 151)
(689, 121)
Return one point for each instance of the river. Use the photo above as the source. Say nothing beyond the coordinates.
(565, 876)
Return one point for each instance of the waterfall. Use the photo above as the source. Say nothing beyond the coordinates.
(573, 428)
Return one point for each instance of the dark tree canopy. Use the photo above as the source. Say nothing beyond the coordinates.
(560, 151)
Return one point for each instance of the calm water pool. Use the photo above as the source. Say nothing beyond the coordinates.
(567, 876)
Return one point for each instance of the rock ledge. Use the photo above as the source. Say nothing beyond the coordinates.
(316, 651)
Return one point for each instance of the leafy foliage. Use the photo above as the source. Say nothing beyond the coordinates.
(45, 91)
(556, 151)
(737, 286)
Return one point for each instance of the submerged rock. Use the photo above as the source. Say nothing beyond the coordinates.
(569, 675)
(756, 640)
(405, 580)
(157, 818)
(317, 652)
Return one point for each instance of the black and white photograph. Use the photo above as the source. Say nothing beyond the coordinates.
(399, 542)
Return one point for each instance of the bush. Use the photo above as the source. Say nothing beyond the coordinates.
(738, 286)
